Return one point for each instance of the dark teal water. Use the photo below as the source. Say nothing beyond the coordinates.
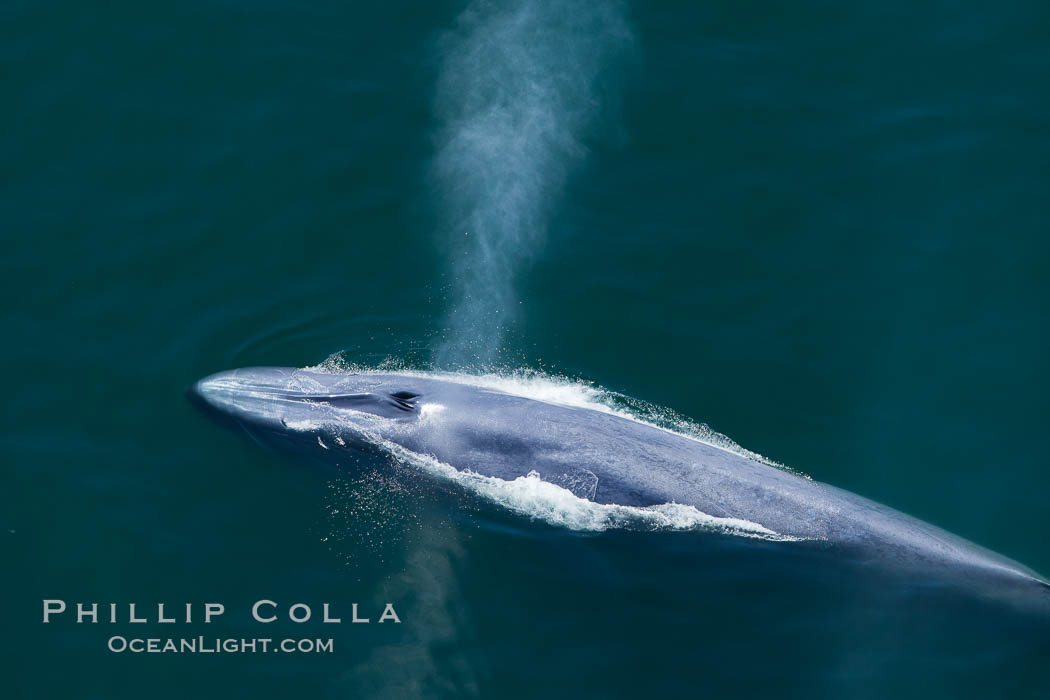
(818, 227)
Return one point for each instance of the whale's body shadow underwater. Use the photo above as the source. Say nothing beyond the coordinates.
(581, 466)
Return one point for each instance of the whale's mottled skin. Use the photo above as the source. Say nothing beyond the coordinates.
(597, 455)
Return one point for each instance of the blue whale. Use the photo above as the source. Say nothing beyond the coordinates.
(609, 460)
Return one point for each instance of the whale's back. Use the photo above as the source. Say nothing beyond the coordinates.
(613, 459)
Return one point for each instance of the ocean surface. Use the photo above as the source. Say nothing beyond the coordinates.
(818, 228)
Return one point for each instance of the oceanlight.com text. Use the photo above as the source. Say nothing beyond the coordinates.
(218, 645)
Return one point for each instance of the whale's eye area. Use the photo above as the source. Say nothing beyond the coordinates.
(405, 395)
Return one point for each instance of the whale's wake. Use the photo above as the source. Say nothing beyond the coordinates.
(519, 87)
(541, 500)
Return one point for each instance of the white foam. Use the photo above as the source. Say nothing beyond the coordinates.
(535, 498)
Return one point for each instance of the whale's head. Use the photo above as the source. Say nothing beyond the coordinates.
(286, 405)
